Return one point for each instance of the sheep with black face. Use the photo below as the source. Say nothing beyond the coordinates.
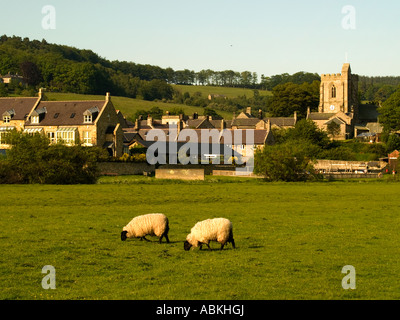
(218, 229)
(154, 224)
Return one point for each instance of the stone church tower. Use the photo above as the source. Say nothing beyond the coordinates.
(339, 93)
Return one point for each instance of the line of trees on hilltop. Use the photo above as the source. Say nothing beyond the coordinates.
(68, 69)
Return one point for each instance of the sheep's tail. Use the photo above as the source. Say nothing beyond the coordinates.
(230, 239)
(165, 234)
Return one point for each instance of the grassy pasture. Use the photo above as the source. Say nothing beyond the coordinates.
(129, 106)
(229, 92)
(292, 240)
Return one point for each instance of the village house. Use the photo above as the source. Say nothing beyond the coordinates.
(14, 113)
(12, 77)
(245, 120)
(89, 123)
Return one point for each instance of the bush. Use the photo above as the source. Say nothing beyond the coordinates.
(32, 160)
(289, 161)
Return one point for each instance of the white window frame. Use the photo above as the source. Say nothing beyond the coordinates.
(87, 139)
(51, 136)
(35, 119)
(87, 118)
(6, 119)
(66, 136)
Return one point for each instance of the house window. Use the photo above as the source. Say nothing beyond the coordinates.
(66, 135)
(3, 133)
(333, 93)
(87, 140)
(2, 137)
(6, 119)
(51, 136)
(35, 119)
(87, 119)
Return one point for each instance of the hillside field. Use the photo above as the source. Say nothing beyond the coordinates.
(292, 239)
(129, 106)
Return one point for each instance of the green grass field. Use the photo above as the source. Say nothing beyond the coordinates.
(229, 92)
(129, 106)
(292, 239)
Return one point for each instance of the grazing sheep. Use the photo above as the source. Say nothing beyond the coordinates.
(148, 224)
(218, 229)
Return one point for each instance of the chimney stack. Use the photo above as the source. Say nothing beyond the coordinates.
(137, 124)
(108, 98)
(295, 117)
(268, 125)
(260, 113)
(149, 121)
(248, 110)
(179, 124)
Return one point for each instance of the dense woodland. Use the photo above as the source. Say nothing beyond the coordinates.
(61, 68)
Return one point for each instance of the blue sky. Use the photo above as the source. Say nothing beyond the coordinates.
(267, 37)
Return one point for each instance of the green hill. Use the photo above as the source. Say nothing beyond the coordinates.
(228, 92)
(129, 106)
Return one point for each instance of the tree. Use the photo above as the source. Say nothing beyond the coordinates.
(284, 162)
(333, 129)
(31, 73)
(307, 130)
(289, 97)
(390, 112)
(212, 113)
(32, 159)
(156, 89)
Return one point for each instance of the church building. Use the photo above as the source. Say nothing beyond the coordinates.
(338, 107)
(340, 112)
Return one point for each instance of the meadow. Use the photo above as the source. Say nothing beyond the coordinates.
(129, 106)
(292, 240)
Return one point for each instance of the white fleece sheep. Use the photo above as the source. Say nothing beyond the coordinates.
(218, 229)
(154, 224)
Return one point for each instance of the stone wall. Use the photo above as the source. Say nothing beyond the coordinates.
(125, 168)
(180, 174)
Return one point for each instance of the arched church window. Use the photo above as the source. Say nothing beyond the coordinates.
(333, 93)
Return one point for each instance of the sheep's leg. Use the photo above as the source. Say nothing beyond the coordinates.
(231, 240)
(208, 245)
(165, 236)
(222, 245)
(144, 238)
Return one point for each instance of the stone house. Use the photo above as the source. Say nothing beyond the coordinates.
(245, 120)
(89, 123)
(14, 113)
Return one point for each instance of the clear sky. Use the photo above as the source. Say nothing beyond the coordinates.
(263, 36)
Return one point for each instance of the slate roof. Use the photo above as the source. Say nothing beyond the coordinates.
(320, 116)
(67, 113)
(238, 138)
(21, 106)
